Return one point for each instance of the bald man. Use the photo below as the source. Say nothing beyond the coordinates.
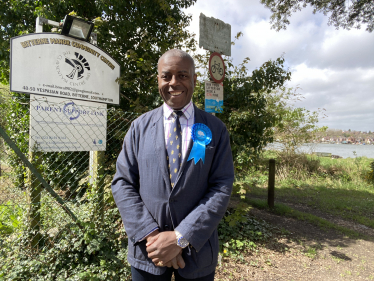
(173, 181)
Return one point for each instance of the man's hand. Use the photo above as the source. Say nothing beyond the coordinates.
(163, 247)
(177, 262)
(152, 234)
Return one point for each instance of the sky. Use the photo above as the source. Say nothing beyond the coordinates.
(334, 69)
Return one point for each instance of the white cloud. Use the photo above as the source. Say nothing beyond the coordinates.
(334, 68)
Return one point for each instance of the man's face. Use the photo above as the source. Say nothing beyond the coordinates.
(176, 81)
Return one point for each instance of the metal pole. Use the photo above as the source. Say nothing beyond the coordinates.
(271, 183)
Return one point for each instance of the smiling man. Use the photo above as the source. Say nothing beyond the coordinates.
(173, 181)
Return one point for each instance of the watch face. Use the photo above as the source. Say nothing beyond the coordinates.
(182, 242)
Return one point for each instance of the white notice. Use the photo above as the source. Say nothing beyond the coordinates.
(213, 97)
(66, 125)
(51, 64)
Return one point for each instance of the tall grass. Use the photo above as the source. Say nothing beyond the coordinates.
(336, 186)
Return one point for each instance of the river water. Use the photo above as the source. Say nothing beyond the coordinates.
(343, 150)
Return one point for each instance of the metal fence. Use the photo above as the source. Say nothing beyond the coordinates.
(73, 147)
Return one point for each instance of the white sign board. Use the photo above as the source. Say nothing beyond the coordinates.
(67, 125)
(51, 64)
(213, 97)
(215, 35)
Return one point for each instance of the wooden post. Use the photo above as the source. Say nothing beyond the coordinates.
(34, 198)
(97, 179)
(271, 183)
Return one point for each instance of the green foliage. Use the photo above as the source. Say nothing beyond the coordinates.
(334, 186)
(370, 174)
(10, 218)
(236, 240)
(245, 106)
(17, 121)
(345, 14)
(95, 252)
(294, 126)
(134, 33)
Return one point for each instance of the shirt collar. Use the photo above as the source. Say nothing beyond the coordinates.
(188, 110)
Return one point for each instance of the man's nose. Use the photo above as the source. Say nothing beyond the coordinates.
(174, 80)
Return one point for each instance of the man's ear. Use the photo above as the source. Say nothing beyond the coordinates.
(194, 79)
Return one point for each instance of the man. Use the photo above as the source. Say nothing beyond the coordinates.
(172, 189)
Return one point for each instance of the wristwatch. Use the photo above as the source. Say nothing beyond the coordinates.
(181, 241)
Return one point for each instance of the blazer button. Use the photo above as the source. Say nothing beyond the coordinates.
(166, 227)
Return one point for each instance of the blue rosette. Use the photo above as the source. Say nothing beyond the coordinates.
(201, 136)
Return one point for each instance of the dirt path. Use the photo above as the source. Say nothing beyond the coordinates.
(305, 253)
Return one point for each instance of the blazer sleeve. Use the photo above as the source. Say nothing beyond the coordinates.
(199, 224)
(136, 218)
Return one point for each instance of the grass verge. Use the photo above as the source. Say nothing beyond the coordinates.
(284, 210)
(334, 186)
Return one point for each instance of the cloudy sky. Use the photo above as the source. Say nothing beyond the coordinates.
(333, 68)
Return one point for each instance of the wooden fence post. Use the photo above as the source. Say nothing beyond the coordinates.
(97, 179)
(34, 194)
(271, 183)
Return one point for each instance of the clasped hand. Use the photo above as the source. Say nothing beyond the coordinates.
(163, 249)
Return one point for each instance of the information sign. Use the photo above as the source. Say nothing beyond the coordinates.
(67, 125)
(215, 35)
(213, 97)
(51, 64)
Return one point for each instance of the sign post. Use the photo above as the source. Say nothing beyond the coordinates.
(73, 81)
(215, 36)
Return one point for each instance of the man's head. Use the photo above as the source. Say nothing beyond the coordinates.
(176, 78)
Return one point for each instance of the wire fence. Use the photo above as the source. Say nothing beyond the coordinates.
(73, 145)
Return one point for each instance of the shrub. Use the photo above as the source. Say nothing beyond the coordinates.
(93, 252)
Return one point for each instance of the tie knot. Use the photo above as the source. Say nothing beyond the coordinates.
(178, 113)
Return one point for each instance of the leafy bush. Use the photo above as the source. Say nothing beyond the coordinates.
(235, 240)
(10, 218)
(93, 252)
(370, 174)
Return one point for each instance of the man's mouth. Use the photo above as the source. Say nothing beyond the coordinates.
(175, 94)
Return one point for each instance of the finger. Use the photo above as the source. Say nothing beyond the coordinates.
(151, 240)
(168, 264)
(155, 261)
(180, 261)
(174, 263)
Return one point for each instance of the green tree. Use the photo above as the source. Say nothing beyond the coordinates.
(345, 14)
(295, 125)
(245, 106)
(134, 33)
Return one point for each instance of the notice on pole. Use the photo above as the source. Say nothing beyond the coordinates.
(51, 64)
(215, 35)
(213, 97)
(67, 125)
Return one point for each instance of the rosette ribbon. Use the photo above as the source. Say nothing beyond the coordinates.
(201, 136)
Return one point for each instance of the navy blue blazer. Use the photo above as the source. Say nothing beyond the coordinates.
(143, 194)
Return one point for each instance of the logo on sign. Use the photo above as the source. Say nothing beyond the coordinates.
(71, 111)
(73, 68)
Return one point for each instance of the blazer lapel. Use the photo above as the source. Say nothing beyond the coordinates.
(159, 145)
